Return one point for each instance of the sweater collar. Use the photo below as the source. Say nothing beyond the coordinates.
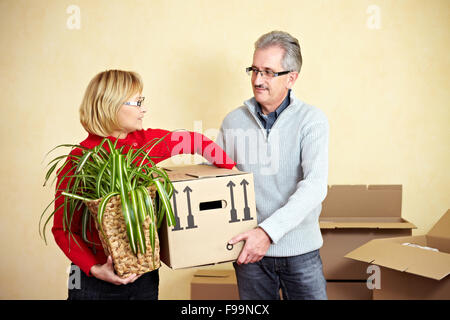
(254, 107)
(284, 104)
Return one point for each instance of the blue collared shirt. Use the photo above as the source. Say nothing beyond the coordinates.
(268, 120)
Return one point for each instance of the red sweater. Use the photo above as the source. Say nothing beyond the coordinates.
(183, 142)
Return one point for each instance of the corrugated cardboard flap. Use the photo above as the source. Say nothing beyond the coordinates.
(389, 254)
(442, 228)
(178, 176)
(203, 171)
(363, 201)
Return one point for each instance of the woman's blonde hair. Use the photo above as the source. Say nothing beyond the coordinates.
(103, 98)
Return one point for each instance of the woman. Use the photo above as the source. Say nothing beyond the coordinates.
(113, 107)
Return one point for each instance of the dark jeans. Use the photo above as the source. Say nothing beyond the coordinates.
(91, 288)
(299, 278)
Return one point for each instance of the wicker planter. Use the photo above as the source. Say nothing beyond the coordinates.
(116, 243)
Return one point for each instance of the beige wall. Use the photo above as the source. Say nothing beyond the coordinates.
(385, 92)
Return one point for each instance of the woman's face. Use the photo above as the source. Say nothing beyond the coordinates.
(130, 117)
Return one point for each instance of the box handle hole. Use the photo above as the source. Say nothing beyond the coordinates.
(211, 205)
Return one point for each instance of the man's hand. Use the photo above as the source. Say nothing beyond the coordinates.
(257, 242)
(106, 273)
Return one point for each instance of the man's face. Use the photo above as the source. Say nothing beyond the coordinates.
(270, 92)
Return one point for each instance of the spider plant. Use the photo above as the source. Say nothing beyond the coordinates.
(100, 173)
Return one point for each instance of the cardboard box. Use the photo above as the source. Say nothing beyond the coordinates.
(411, 272)
(211, 206)
(351, 216)
(214, 285)
(348, 290)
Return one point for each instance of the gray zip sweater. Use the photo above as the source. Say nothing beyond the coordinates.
(290, 169)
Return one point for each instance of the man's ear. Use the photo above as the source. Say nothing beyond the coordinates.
(292, 77)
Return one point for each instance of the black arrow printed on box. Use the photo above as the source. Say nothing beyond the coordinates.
(190, 217)
(233, 212)
(177, 219)
(247, 215)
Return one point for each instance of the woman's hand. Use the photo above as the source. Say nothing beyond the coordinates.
(106, 273)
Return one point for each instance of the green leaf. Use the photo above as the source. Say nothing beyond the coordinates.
(50, 171)
(139, 222)
(83, 160)
(75, 196)
(99, 180)
(113, 173)
(47, 221)
(141, 205)
(101, 211)
(165, 202)
(43, 214)
(73, 146)
(126, 210)
(84, 223)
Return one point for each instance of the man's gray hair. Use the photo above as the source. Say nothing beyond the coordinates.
(292, 60)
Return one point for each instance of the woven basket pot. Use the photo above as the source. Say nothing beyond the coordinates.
(116, 243)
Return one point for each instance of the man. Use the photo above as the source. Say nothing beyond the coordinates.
(284, 143)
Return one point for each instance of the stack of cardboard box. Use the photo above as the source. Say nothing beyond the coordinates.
(351, 216)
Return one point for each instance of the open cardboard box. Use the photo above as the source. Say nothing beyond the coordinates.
(411, 272)
(211, 205)
(214, 285)
(353, 215)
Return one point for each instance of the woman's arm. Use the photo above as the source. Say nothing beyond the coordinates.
(186, 142)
